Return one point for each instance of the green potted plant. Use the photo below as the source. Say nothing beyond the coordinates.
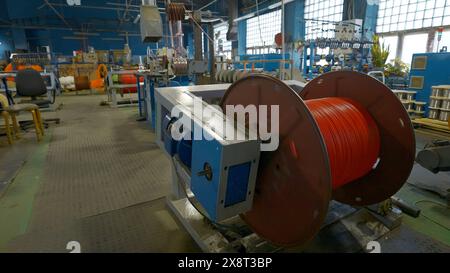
(380, 53)
(397, 68)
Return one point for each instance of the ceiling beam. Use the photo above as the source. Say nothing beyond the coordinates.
(93, 7)
(48, 27)
(58, 14)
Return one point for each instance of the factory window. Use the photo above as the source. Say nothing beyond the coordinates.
(416, 43)
(222, 46)
(321, 17)
(392, 43)
(397, 15)
(445, 41)
(261, 31)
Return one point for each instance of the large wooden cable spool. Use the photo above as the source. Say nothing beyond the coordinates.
(102, 71)
(297, 181)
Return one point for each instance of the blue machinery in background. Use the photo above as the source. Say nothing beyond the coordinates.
(428, 70)
(146, 94)
(266, 63)
(360, 60)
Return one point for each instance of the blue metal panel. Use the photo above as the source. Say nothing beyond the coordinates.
(295, 25)
(153, 104)
(435, 73)
(6, 43)
(206, 192)
(184, 151)
(242, 37)
(266, 66)
(20, 39)
(140, 94)
(370, 22)
(169, 143)
(237, 184)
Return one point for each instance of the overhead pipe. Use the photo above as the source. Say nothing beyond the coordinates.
(56, 28)
(233, 12)
(90, 7)
(57, 13)
(207, 5)
(169, 23)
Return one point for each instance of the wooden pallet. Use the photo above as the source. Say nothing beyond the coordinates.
(433, 124)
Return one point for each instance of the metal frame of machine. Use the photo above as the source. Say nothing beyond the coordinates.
(183, 202)
(112, 88)
(223, 155)
(191, 205)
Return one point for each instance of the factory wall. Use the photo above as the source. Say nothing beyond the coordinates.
(20, 39)
(6, 40)
(65, 46)
(3, 11)
(33, 13)
(293, 23)
(63, 41)
(36, 25)
(6, 44)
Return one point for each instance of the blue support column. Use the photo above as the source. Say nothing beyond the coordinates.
(140, 94)
(312, 55)
(242, 37)
(366, 10)
(295, 26)
(6, 44)
(190, 45)
(370, 21)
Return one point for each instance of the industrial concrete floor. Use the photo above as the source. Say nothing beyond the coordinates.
(99, 179)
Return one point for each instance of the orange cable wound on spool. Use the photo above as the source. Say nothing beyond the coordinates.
(351, 136)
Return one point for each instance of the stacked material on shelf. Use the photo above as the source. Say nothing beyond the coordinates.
(230, 76)
(438, 110)
(414, 108)
(440, 103)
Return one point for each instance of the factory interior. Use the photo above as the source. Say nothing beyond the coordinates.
(120, 120)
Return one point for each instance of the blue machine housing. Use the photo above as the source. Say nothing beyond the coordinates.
(427, 70)
(229, 192)
(221, 170)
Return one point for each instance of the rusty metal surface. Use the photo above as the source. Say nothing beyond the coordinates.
(293, 190)
(175, 12)
(398, 146)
